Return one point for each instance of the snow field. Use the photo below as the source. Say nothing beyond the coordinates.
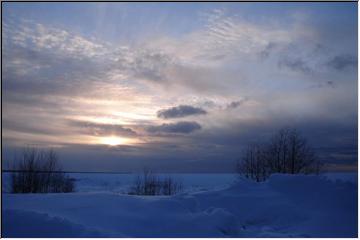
(283, 206)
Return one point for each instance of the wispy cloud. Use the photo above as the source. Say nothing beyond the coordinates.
(101, 129)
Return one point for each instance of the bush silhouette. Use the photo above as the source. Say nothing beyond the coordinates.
(38, 171)
(286, 152)
(150, 184)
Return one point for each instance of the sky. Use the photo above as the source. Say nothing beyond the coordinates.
(177, 87)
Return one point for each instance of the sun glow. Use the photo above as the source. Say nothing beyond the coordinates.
(114, 141)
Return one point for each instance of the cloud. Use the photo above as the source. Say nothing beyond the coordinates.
(228, 35)
(100, 129)
(143, 63)
(235, 104)
(265, 53)
(296, 64)
(342, 62)
(54, 74)
(40, 60)
(180, 111)
(26, 33)
(324, 84)
(21, 126)
(179, 127)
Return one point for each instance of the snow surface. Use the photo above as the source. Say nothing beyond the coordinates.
(283, 206)
(122, 182)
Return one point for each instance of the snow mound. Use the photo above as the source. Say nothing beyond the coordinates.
(21, 224)
(331, 205)
(283, 206)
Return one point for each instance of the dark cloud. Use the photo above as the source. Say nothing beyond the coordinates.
(236, 104)
(180, 111)
(265, 53)
(23, 126)
(330, 84)
(179, 127)
(296, 64)
(341, 62)
(333, 141)
(213, 149)
(99, 129)
(326, 84)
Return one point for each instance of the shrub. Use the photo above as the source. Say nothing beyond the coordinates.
(39, 172)
(170, 186)
(150, 184)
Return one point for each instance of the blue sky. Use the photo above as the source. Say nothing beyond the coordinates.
(91, 79)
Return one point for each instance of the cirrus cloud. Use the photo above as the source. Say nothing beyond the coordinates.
(100, 129)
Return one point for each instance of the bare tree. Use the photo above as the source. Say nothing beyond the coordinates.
(276, 151)
(39, 172)
(253, 164)
(287, 152)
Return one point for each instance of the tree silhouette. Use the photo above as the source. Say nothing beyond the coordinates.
(286, 152)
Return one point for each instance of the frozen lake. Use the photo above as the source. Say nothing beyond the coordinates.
(192, 182)
(121, 183)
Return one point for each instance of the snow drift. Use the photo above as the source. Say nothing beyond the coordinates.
(283, 206)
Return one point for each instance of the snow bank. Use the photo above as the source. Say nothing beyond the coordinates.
(119, 215)
(331, 206)
(284, 206)
(342, 176)
(21, 224)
